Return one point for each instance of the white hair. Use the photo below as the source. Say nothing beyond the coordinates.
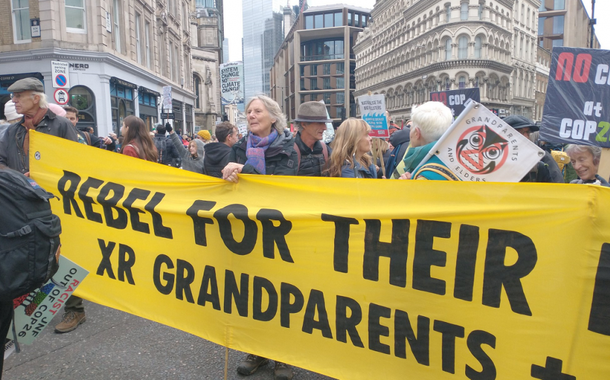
(42, 103)
(595, 151)
(432, 119)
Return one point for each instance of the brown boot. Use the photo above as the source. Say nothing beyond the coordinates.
(249, 365)
(70, 321)
(282, 371)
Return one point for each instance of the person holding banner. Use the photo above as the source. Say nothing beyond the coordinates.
(350, 157)
(137, 142)
(268, 148)
(585, 160)
(429, 122)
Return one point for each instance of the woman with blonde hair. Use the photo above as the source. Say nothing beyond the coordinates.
(136, 139)
(350, 157)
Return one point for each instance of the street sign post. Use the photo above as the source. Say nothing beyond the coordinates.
(61, 74)
(61, 96)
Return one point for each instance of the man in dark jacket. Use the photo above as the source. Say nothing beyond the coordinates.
(165, 148)
(400, 141)
(546, 170)
(86, 137)
(217, 153)
(312, 151)
(30, 101)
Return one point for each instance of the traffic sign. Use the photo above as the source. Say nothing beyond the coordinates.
(61, 74)
(61, 96)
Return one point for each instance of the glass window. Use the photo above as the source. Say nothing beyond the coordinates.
(147, 42)
(462, 82)
(326, 69)
(363, 19)
(350, 17)
(340, 98)
(326, 83)
(338, 19)
(541, 25)
(356, 19)
(463, 47)
(81, 97)
(75, 15)
(138, 42)
(448, 49)
(21, 21)
(327, 98)
(558, 42)
(480, 11)
(314, 70)
(117, 26)
(464, 11)
(447, 12)
(340, 82)
(308, 22)
(339, 49)
(329, 49)
(477, 47)
(313, 84)
(328, 20)
(559, 4)
(319, 21)
(340, 68)
(558, 24)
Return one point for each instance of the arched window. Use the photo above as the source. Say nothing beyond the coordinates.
(464, 12)
(463, 47)
(448, 49)
(447, 12)
(480, 11)
(477, 47)
(196, 86)
(462, 81)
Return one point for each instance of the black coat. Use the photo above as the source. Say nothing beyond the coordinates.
(216, 158)
(313, 163)
(280, 157)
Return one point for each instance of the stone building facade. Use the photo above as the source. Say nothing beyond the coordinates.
(414, 47)
(120, 55)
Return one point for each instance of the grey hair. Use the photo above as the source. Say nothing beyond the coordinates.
(595, 151)
(432, 119)
(274, 110)
(42, 103)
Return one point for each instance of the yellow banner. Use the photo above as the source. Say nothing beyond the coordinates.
(355, 279)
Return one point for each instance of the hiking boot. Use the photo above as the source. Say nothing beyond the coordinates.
(282, 371)
(251, 364)
(70, 321)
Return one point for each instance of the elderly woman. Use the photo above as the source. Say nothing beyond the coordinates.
(351, 147)
(585, 160)
(268, 148)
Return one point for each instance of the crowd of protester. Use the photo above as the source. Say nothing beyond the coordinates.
(269, 148)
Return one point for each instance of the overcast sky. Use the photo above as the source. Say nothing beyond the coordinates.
(234, 29)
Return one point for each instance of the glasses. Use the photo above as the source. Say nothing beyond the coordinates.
(19, 95)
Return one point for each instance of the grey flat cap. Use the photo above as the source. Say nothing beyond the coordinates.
(27, 84)
(312, 112)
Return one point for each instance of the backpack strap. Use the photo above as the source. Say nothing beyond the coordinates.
(87, 137)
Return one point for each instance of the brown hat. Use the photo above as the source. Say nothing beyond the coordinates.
(312, 112)
(26, 84)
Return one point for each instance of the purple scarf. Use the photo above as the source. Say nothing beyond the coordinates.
(256, 148)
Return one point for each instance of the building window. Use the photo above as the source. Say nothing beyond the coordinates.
(447, 12)
(171, 61)
(363, 19)
(464, 12)
(480, 11)
(340, 98)
(147, 42)
(477, 47)
(327, 99)
(462, 81)
(21, 21)
(340, 68)
(308, 22)
(541, 25)
(447, 84)
(138, 40)
(448, 49)
(319, 21)
(75, 16)
(326, 83)
(121, 102)
(340, 82)
(338, 19)
(463, 47)
(197, 85)
(176, 67)
(328, 20)
(326, 69)
(350, 17)
(558, 43)
(313, 84)
(117, 26)
(558, 24)
(559, 4)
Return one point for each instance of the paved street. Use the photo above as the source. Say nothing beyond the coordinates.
(117, 345)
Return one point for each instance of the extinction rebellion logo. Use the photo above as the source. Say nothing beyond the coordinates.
(481, 150)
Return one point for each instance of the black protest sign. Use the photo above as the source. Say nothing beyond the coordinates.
(455, 99)
(576, 105)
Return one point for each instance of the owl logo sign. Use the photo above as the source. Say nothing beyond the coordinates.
(480, 147)
(481, 150)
